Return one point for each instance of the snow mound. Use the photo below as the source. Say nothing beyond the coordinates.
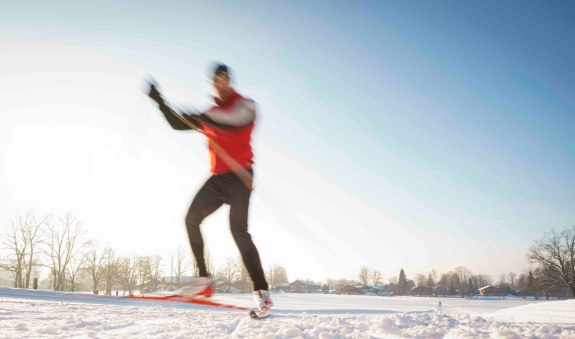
(553, 312)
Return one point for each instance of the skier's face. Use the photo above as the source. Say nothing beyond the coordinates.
(221, 83)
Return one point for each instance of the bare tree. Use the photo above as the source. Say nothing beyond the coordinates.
(22, 240)
(280, 275)
(155, 271)
(521, 281)
(531, 288)
(243, 277)
(433, 274)
(149, 270)
(172, 261)
(463, 273)
(483, 280)
(17, 247)
(277, 275)
(512, 276)
(451, 281)
(555, 254)
(363, 275)
(376, 277)
(62, 245)
(143, 268)
(110, 262)
(127, 272)
(32, 231)
(270, 277)
(73, 269)
(94, 265)
(420, 280)
(178, 264)
(228, 273)
(430, 282)
(209, 263)
(210, 267)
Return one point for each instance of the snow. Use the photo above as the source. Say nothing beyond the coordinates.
(45, 314)
(559, 312)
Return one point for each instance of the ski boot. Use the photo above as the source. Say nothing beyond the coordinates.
(199, 287)
(264, 304)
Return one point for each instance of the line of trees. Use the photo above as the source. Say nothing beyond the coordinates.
(36, 243)
(553, 274)
(459, 281)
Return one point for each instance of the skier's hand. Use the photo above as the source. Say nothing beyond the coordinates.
(154, 94)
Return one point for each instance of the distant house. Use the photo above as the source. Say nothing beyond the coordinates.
(361, 289)
(224, 287)
(490, 291)
(379, 290)
(349, 290)
(299, 286)
(421, 290)
(439, 290)
(283, 287)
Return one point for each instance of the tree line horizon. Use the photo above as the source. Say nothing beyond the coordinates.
(35, 242)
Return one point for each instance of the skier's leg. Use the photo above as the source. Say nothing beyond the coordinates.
(207, 200)
(238, 198)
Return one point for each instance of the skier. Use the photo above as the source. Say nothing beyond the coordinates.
(228, 126)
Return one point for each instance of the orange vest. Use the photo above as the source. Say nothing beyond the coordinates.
(233, 141)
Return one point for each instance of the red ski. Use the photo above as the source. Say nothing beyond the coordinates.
(179, 298)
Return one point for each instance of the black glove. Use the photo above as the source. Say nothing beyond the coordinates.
(154, 94)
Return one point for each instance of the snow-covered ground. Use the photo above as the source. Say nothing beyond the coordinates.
(32, 314)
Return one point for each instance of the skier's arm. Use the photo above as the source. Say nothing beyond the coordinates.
(242, 114)
(171, 115)
(174, 121)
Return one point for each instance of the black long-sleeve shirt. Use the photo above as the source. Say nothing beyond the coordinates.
(174, 121)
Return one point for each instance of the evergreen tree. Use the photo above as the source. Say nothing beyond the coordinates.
(402, 282)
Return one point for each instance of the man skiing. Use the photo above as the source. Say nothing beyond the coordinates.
(228, 126)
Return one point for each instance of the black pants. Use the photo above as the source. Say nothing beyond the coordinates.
(218, 190)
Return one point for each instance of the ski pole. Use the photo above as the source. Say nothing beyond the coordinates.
(243, 174)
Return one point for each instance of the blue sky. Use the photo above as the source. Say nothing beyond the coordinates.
(389, 131)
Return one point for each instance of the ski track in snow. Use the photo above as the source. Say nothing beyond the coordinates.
(43, 314)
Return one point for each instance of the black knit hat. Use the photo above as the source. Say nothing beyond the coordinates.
(220, 68)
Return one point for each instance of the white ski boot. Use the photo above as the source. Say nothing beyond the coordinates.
(199, 287)
(264, 304)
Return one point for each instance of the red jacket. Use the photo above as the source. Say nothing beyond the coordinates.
(233, 141)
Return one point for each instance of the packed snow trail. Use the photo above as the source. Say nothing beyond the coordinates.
(37, 314)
